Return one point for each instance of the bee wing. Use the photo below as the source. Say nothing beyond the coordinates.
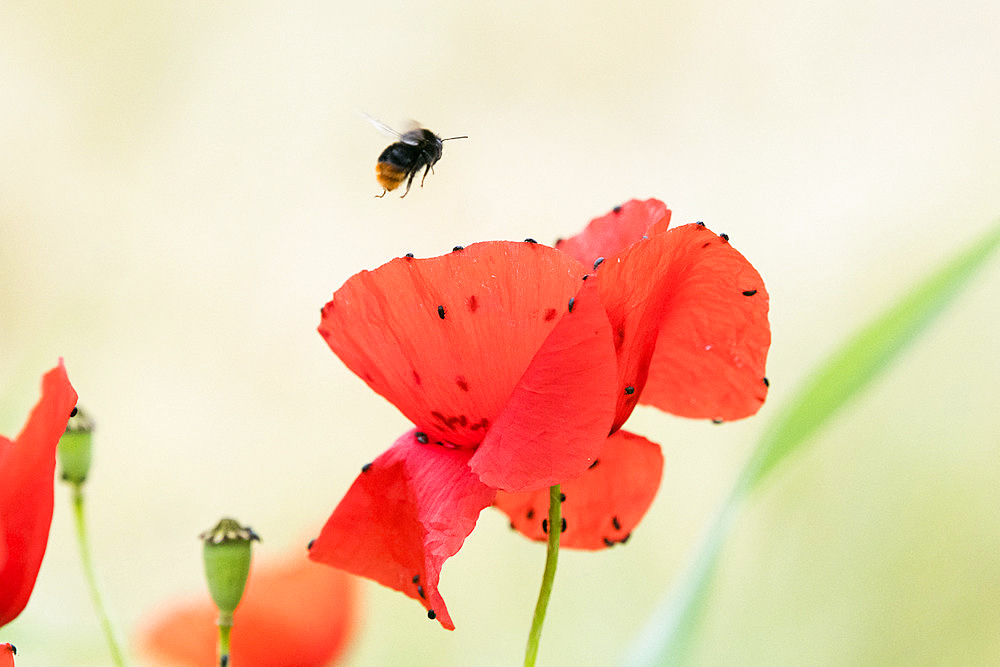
(380, 126)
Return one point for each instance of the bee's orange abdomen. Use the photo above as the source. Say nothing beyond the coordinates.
(389, 176)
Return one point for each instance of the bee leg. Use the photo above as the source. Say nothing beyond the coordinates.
(381, 195)
(426, 171)
(409, 182)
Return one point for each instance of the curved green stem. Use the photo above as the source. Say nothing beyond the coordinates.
(551, 559)
(88, 570)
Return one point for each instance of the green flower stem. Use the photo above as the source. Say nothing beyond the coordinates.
(117, 656)
(225, 624)
(551, 559)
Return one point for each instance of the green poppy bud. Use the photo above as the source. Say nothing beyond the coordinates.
(227, 562)
(75, 448)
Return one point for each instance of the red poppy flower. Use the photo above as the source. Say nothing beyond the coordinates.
(502, 357)
(689, 316)
(298, 614)
(27, 474)
(512, 391)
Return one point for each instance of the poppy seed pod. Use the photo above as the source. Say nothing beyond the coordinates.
(227, 554)
(75, 448)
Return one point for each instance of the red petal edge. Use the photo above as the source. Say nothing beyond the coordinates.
(6, 655)
(690, 297)
(611, 233)
(711, 350)
(447, 339)
(406, 513)
(27, 474)
(604, 505)
(559, 415)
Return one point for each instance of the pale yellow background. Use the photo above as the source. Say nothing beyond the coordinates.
(184, 184)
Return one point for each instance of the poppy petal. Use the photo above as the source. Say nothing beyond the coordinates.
(558, 416)
(446, 339)
(602, 506)
(7, 652)
(406, 513)
(612, 233)
(298, 614)
(712, 346)
(683, 293)
(27, 475)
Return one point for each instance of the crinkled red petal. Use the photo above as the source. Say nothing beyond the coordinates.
(684, 293)
(713, 340)
(299, 613)
(406, 513)
(27, 474)
(447, 339)
(617, 230)
(602, 506)
(6, 655)
(558, 417)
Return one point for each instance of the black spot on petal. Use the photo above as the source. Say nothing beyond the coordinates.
(458, 248)
(420, 592)
(616, 523)
(562, 497)
(717, 421)
(441, 312)
(749, 292)
(310, 545)
(598, 262)
(545, 526)
(572, 300)
(366, 467)
(594, 464)
(408, 255)
(421, 437)
(586, 275)
(530, 240)
(617, 209)
(563, 528)
(767, 383)
(73, 414)
(531, 514)
(630, 390)
(416, 578)
(625, 539)
(724, 237)
(700, 223)
(608, 543)
(431, 614)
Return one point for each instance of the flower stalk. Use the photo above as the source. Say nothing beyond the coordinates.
(74, 452)
(551, 560)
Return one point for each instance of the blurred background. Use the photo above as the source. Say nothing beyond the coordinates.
(183, 185)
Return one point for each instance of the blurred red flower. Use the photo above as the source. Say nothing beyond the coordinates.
(7, 652)
(298, 614)
(27, 475)
(515, 361)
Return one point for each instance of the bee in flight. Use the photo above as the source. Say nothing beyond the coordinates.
(417, 148)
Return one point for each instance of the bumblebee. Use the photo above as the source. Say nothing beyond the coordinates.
(418, 148)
